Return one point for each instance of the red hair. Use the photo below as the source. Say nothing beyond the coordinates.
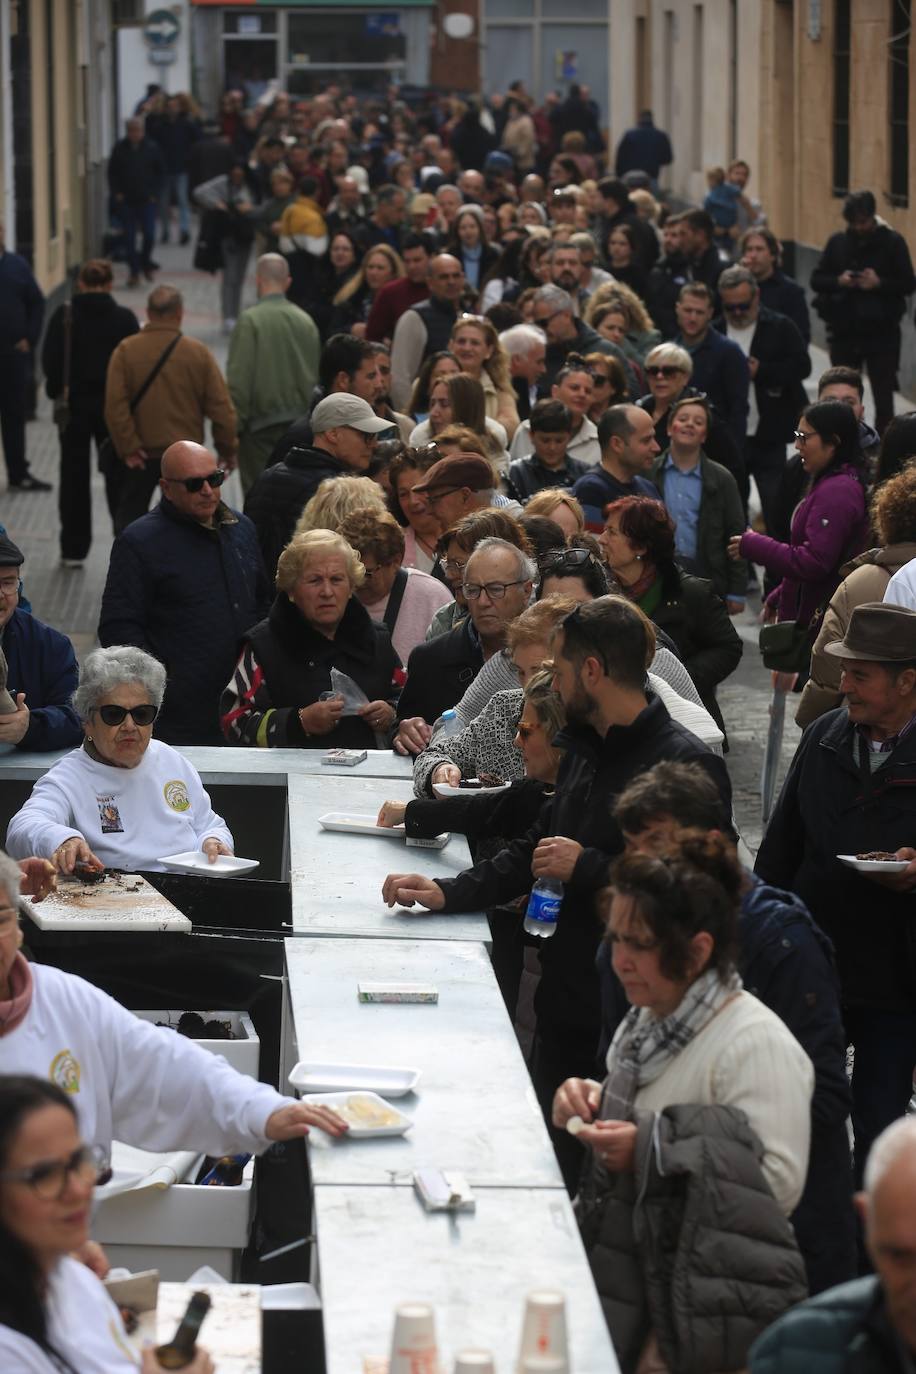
(647, 523)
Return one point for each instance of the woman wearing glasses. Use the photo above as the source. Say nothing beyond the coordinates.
(122, 799)
(55, 1315)
(668, 368)
(829, 525)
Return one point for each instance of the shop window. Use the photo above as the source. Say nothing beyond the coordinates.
(345, 40)
(842, 47)
(898, 87)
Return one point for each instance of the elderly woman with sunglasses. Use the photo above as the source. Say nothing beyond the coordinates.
(122, 799)
(668, 368)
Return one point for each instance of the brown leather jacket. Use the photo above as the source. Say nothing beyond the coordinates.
(189, 389)
(865, 578)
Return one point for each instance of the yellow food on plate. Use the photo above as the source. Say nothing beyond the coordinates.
(359, 1110)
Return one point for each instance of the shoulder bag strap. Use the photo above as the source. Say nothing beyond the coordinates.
(160, 364)
(395, 597)
(68, 347)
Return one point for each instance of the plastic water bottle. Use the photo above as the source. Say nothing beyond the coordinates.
(544, 907)
(451, 725)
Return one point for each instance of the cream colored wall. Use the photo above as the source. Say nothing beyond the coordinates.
(53, 255)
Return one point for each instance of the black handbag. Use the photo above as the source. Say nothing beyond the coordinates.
(785, 646)
(108, 454)
(208, 252)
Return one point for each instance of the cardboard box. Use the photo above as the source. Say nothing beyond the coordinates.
(243, 1053)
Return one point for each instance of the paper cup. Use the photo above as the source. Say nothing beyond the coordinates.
(544, 1330)
(474, 1362)
(413, 1343)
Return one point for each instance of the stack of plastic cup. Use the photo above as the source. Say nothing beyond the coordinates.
(474, 1362)
(413, 1343)
(544, 1347)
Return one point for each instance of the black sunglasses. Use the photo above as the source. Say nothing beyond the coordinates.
(666, 371)
(194, 484)
(116, 715)
(565, 558)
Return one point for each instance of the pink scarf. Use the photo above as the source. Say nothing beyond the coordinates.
(14, 1011)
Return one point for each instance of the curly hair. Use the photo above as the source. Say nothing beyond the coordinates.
(625, 300)
(373, 532)
(302, 548)
(336, 498)
(893, 508)
(696, 887)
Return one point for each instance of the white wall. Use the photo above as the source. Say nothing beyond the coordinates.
(136, 71)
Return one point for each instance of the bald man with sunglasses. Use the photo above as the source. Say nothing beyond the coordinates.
(185, 582)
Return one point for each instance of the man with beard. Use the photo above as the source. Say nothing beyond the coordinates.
(566, 271)
(617, 728)
(862, 281)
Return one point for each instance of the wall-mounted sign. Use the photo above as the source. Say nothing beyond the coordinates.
(567, 65)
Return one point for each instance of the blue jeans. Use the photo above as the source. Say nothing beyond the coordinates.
(142, 219)
(882, 1077)
(177, 183)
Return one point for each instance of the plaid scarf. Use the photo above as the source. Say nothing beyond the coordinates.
(644, 1045)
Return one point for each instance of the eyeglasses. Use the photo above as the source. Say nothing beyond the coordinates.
(195, 484)
(380, 567)
(600, 379)
(495, 590)
(526, 730)
(9, 586)
(739, 307)
(565, 558)
(543, 319)
(116, 715)
(801, 436)
(48, 1180)
(666, 371)
(438, 494)
(366, 436)
(451, 565)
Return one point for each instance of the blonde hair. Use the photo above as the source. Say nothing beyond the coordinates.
(302, 548)
(497, 365)
(358, 280)
(615, 293)
(645, 198)
(536, 624)
(336, 498)
(669, 355)
(546, 501)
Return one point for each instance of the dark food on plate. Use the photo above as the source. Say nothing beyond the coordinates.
(484, 780)
(879, 856)
(87, 874)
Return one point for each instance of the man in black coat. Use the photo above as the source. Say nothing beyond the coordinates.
(619, 209)
(22, 308)
(698, 231)
(616, 730)
(785, 960)
(185, 583)
(862, 281)
(761, 253)
(498, 581)
(851, 789)
(344, 429)
(555, 313)
(136, 169)
(778, 363)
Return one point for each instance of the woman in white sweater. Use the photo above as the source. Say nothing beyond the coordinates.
(692, 1035)
(122, 800)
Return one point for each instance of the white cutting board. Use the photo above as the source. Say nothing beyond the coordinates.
(122, 902)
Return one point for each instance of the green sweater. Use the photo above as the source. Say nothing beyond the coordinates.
(273, 364)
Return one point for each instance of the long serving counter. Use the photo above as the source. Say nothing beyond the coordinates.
(474, 1109)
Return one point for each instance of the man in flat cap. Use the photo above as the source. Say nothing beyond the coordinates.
(851, 792)
(37, 668)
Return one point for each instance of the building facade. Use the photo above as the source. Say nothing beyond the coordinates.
(819, 96)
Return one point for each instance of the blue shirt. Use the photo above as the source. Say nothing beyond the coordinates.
(683, 494)
(598, 488)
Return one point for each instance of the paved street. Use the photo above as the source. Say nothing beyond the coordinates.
(70, 600)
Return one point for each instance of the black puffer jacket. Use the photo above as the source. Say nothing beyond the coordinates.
(691, 1245)
(280, 495)
(692, 613)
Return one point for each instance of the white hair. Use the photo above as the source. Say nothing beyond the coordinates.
(526, 567)
(521, 338)
(895, 1140)
(105, 669)
(10, 878)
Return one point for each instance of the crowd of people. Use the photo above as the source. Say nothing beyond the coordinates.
(515, 442)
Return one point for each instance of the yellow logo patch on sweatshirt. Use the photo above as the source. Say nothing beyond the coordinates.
(176, 795)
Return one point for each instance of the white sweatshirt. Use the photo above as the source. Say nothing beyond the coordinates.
(84, 1326)
(132, 1081)
(129, 817)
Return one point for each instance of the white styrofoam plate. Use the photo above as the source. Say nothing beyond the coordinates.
(362, 823)
(196, 861)
(360, 1122)
(326, 1078)
(873, 865)
(445, 789)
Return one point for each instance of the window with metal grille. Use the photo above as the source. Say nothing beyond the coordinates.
(898, 103)
(842, 46)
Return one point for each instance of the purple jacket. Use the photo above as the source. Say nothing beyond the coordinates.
(828, 527)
